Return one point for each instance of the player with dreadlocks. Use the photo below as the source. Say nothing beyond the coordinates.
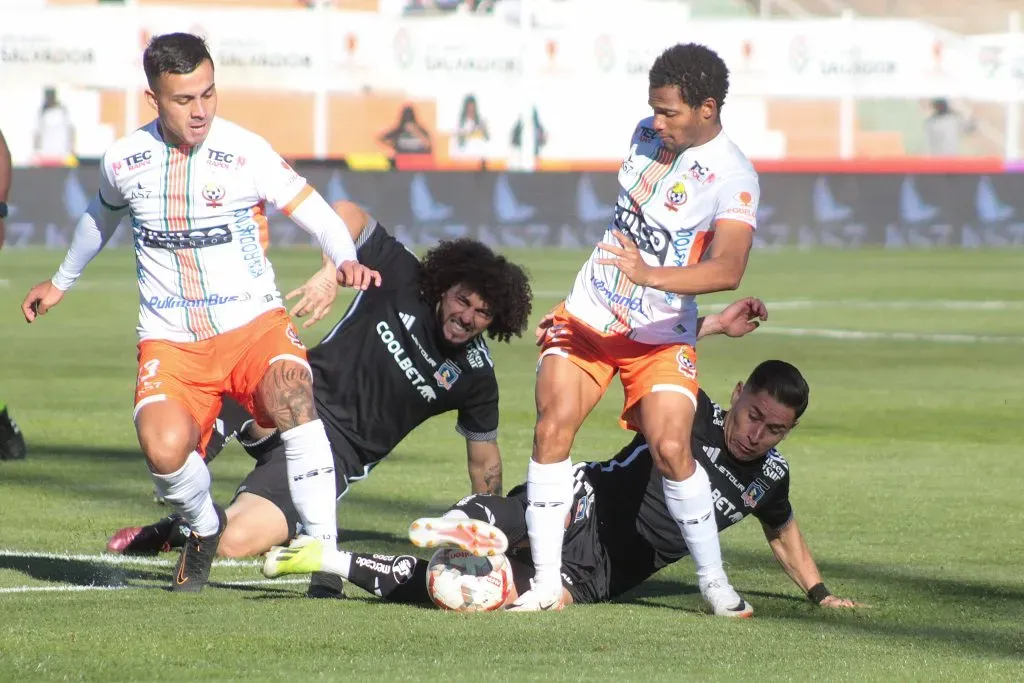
(404, 352)
(682, 226)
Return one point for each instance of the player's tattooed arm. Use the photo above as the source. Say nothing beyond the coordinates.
(484, 461)
(286, 395)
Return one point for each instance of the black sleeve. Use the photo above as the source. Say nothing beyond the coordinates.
(777, 511)
(703, 420)
(478, 416)
(398, 267)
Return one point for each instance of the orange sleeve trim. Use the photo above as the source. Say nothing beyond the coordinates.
(296, 200)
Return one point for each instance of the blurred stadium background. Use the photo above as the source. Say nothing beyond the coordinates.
(892, 122)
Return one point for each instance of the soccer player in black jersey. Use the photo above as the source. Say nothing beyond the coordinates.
(406, 351)
(619, 530)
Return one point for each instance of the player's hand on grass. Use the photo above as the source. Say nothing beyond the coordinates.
(836, 602)
(742, 317)
(627, 258)
(316, 297)
(357, 276)
(40, 299)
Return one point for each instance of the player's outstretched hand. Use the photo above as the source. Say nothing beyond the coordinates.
(626, 257)
(357, 276)
(40, 299)
(316, 297)
(742, 317)
(836, 602)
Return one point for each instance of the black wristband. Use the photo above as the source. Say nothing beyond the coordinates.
(817, 593)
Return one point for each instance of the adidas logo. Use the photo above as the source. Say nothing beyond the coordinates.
(407, 320)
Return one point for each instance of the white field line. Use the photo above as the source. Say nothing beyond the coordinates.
(860, 335)
(129, 560)
(120, 559)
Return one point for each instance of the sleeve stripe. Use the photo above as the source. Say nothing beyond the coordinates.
(108, 206)
(477, 436)
(297, 199)
(367, 232)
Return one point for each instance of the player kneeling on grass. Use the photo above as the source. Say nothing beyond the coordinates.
(404, 352)
(619, 530)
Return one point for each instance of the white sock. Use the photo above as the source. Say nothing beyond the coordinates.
(689, 501)
(311, 481)
(339, 563)
(188, 490)
(549, 491)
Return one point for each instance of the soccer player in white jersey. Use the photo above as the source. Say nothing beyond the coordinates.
(683, 225)
(211, 320)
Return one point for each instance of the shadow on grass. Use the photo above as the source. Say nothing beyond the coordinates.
(79, 572)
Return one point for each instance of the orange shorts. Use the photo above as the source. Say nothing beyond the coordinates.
(197, 374)
(644, 368)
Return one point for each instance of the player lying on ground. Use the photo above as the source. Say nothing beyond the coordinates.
(404, 352)
(618, 529)
(682, 226)
(211, 320)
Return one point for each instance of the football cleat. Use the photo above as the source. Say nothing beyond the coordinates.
(472, 535)
(301, 556)
(539, 599)
(149, 540)
(326, 585)
(724, 601)
(193, 570)
(12, 443)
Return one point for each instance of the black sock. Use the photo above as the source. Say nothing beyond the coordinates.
(395, 578)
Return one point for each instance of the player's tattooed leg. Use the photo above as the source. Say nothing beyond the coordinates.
(286, 395)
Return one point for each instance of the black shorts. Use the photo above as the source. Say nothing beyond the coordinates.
(586, 569)
(270, 477)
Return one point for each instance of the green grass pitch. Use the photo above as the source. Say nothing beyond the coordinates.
(906, 469)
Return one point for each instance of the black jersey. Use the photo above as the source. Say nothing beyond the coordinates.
(385, 368)
(636, 529)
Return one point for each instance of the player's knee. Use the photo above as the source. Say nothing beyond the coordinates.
(236, 543)
(351, 214)
(672, 457)
(167, 449)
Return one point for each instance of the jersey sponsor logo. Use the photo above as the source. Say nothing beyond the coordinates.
(249, 243)
(447, 375)
(712, 453)
(629, 219)
(137, 160)
(676, 196)
(404, 362)
(612, 297)
(477, 354)
(423, 351)
(701, 174)
(647, 134)
(116, 166)
(687, 360)
(174, 240)
(402, 567)
(725, 506)
(754, 493)
(206, 302)
(224, 160)
(139, 192)
(774, 467)
(213, 194)
(719, 418)
(374, 565)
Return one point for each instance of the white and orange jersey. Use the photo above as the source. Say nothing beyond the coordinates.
(668, 204)
(200, 230)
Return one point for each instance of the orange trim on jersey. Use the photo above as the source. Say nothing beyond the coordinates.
(700, 245)
(177, 209)
(298, 199)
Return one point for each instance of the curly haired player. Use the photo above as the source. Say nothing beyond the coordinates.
(404, 352)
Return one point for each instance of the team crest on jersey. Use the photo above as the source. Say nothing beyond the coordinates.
(213, 194)
(687, 359)
(754, 493)
(676, 196)
(293, 337)
(447, 374)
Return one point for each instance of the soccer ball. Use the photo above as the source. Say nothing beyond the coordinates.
(461, 581)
